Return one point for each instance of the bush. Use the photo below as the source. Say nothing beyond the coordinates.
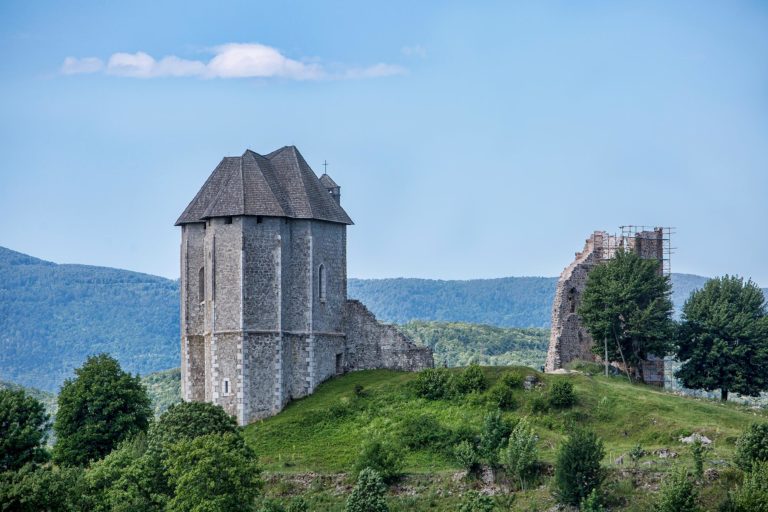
(424, 431)
(513, 380)
(752, 495)
(539, 404)
(384, 458)
(368, 494)
(433, 383)
(678, 494)
(475, 502)
(698, 450)
(591, 503)
(23, 430)
(502, 396)
(470, 380)
(466, 455)
(636, 453)
(492, 437)
(521, 455)
(561, 394)
(578, 470)
(752, 446)
(35, 488)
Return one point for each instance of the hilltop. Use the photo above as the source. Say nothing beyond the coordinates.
(318, 438)
(53, 316)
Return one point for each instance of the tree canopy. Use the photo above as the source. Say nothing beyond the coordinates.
(627, 302)
(99, 408)
(23, 429)
(723, 338)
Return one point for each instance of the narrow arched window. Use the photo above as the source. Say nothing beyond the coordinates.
(201, 284)
(321, 282)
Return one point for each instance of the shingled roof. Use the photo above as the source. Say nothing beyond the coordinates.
(280, 184)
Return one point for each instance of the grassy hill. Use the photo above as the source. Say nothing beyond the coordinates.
(309, 447)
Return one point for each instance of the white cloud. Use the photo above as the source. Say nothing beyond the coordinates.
(234, 60)
(75, 66)
(375, 71)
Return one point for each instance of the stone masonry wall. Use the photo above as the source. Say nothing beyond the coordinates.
(371, 344)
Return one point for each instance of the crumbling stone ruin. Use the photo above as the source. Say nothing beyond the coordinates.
(264, 311)
(569, 339)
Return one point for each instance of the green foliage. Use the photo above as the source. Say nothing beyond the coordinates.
(636, 453)
(561, 395)
(368, 494)
(522, 453)
(23, 430)
(752, 495)
(578, 471)
(723, 338)
(502, 396)
(678, 494)
(470, 380)
(212, 473)
(627, 302)
(383, 457)
(475, 502)
(697, 451)
(591, 503)
(423, 431)
(493, 436)
(163, 388)
(433, 383)
(54, 316)
(188, 420)
(100, 408)
(752, 446)
(36, 488)
(466, 456)
(539, 403)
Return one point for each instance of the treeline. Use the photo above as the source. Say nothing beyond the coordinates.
(459, 344)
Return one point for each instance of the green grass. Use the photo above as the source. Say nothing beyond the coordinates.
(322, 434)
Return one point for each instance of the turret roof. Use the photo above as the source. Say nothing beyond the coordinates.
(280, 184)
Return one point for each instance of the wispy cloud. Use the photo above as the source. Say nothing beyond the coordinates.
(414, 51)
(234, 60)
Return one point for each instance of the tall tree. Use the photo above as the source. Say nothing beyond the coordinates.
(99, 408)
(723, 338)
(23, 429)
(627, 304)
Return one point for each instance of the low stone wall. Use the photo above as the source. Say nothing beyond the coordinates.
(371, 344)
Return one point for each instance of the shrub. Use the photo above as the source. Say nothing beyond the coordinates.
(561, 394)
(368, 494)
(539, 404)
(752, 495)
(384, 458)
(492, 437)
(298, 504)
(678, 494)
(636, 453)
(466, 456)
(424, 431)
(475, 502)
(698, 450)
(578, 469)
(433, 383)
(360, 391)
(591, 503)
(470, 380)
(502, 396)
(23, 430)
(752, 446)
(521, 455)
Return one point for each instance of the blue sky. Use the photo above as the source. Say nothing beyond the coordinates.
(471, 139)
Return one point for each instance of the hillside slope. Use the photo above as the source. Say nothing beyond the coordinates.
(53, 316)
(323, 434)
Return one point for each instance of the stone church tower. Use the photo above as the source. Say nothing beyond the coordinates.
(264, 310)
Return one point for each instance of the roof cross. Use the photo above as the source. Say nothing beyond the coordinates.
(325, 167)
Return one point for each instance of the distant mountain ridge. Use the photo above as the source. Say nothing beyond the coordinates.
(53, 316)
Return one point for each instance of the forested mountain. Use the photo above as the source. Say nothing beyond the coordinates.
(53, 316)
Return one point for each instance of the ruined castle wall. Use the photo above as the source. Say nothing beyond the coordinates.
(371, 344)
(568, 339)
